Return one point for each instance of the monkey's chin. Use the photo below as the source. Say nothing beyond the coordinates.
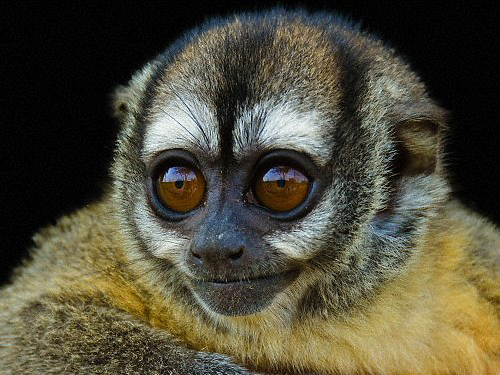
(236, 298)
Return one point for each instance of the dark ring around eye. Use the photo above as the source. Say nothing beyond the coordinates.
(174, 157)
(303, 164)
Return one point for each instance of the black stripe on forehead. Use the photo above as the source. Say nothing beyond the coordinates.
(350, 156)
(350, 137)
(240, 58)
(352, 86)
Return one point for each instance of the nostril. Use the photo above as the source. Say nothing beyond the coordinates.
(197, 256)
(237, 255)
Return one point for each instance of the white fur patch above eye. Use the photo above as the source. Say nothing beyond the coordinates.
(271, 126)
(186, 123)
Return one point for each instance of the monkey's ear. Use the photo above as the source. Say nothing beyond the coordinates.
(120, 100)
(418, 135)
(418, 144)
(127, 99)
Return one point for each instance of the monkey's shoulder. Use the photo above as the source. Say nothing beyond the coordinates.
(462, 234)
(77, 250)
(465, 250)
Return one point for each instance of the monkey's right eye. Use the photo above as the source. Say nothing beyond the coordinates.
(180, 188)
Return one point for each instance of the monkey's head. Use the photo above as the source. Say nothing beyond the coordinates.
(278, 164)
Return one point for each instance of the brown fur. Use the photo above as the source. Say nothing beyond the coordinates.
(94, 298)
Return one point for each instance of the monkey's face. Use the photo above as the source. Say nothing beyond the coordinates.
(229, 215)
(280, 164)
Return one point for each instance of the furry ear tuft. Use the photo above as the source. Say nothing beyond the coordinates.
(119, 101)
(418, 146)
(126, 99)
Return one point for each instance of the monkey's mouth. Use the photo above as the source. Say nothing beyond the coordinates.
(242, 297)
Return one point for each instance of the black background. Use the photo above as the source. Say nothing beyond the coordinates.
(60, 62)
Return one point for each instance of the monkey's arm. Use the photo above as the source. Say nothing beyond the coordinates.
(80, 337)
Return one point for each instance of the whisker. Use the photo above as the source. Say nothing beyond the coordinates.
(194, 118)
(196, 142)
(154, 268)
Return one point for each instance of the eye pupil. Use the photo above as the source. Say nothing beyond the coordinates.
(179, 184)
(280, 183)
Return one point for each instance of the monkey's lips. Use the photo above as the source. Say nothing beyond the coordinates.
(242, 297)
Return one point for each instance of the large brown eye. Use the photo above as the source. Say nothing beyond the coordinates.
(281, 188)
(180, 188)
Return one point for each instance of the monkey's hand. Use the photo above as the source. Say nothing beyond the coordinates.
(79, 337)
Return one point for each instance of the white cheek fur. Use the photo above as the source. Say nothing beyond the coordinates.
(299, 242)
(162, 243)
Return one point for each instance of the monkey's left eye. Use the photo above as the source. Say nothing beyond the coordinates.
(281, 188)
(180, 188)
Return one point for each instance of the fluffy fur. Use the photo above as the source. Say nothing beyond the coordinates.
(395, 276)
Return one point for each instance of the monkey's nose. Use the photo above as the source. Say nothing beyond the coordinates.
(217, 257)
(222, 253)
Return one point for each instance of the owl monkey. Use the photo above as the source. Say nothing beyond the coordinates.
(278, 204)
